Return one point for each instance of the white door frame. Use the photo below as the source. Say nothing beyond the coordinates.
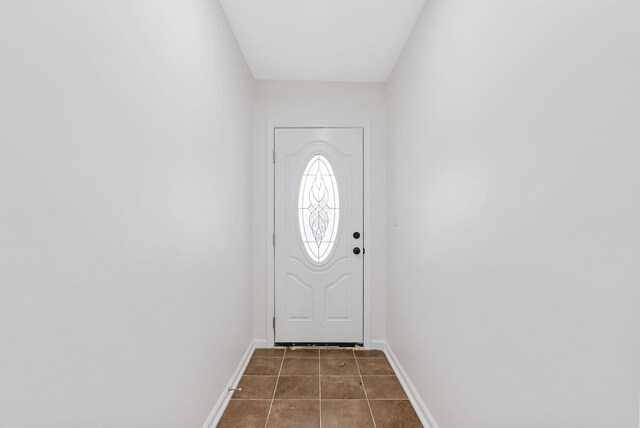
(367, 242)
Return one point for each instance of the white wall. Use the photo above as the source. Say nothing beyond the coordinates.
(514, 272)
(125, 204)
(314, 101)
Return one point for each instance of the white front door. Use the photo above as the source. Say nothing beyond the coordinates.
(318, 235)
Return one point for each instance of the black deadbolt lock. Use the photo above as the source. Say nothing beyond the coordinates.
(356, 235)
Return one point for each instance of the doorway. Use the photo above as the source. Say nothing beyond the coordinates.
(319, 251)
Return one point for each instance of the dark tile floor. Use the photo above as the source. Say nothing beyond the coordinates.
(313, 387)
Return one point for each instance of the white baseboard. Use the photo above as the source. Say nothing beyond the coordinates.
(421, 409)
(225, 397)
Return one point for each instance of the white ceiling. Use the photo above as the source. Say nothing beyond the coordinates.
(327, 40)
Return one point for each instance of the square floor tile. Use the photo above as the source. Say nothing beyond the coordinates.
(345, 413)
(341, 387)
(294, 414)
(367, 353)
(338, 366)
(302, 353)
(263, 366)
(394, 414)
(375, 366)
(300, 367)
(256, 387)
(383, 387)
(245, 414)
(269, 352)
(339, 353)
(298, 387)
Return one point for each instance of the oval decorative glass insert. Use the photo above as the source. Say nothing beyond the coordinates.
(318, 208)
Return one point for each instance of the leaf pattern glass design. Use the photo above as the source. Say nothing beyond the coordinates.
(318, 208)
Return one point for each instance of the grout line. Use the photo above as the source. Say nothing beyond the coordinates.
(251, 399)
(341, 375)
(273, 397)
(390, 399)
(320, 387)
(298, 399)
(324, 399)
(337, 399)
(365, 392)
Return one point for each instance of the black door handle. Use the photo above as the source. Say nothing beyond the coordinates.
(356, 250)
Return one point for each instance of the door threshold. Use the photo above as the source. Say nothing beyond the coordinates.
(320, 344)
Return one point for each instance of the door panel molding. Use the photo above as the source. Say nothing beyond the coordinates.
(367, 242)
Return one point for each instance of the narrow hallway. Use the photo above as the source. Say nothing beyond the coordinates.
(445, 192)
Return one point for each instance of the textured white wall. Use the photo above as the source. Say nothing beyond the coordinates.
(315, 101)
(125, 212)
(514, 153)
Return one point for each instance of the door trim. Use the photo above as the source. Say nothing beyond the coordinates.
(367, 242)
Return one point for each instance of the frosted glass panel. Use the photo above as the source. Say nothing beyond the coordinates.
(318, 208)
